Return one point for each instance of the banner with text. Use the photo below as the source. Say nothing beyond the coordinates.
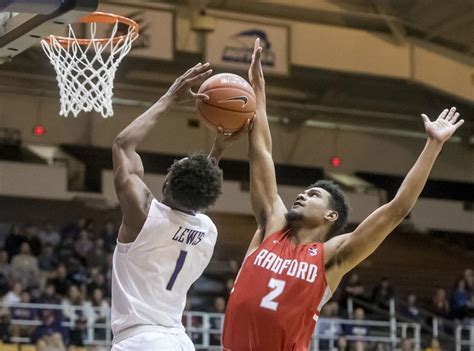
(231, 45)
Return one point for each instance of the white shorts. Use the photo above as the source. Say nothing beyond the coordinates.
(155, 341)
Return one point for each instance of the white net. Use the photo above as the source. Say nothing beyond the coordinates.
(85, 73)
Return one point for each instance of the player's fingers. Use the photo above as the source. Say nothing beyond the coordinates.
(198, 96)
(199, 78)
(444, 113)
(426, 119)
(460, 123)
(256, 45)
(188, 72)
(450, 114)
(455, 118)
(196, 70)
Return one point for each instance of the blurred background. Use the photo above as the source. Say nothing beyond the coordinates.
(346, 82)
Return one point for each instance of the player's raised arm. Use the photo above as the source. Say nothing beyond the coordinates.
(133, 194)
(268, 208)
(350, 249)
(224, 140)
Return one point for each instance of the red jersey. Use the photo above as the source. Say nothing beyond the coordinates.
(277, 297)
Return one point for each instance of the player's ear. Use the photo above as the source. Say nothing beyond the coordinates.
(331, 216)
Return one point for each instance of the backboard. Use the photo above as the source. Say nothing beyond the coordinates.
(23, 23)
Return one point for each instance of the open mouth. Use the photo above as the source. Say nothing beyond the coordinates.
(297, 203)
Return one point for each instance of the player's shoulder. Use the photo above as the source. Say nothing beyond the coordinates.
(207, 222)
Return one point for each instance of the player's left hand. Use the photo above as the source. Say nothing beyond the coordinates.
(444, 126)
(224, 139)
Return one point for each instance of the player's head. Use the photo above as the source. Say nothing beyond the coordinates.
(193, 183)
(321, 204)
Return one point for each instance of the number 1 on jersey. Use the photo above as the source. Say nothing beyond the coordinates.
(177, 269)
(268, 300)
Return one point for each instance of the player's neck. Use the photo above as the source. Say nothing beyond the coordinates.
(303, 235)
(172, 204)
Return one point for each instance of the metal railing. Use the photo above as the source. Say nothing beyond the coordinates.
(204, 328)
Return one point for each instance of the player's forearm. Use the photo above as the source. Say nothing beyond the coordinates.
(136, 131)
(216, 152)
(416, 178)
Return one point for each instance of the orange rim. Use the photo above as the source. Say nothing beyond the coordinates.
(99, 17)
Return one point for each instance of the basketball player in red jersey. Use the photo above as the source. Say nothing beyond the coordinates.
(294, 263)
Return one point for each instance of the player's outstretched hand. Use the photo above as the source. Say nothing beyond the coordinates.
(444, 126)
(255, 71)
(181, 89)
(223, 140)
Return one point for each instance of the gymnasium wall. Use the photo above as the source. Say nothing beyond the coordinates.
(305, 146)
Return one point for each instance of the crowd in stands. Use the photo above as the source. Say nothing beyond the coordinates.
(71, 266)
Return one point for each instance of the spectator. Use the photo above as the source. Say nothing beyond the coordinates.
(47, 261)
(358, 329)
(31, 232)
(14, 295)
(216, 321)
(97, 256)
(435, 345)
(78, 333)
(410, 310)
(49, 295)
(60, 281)
(352, 287)
(83, 245)
(407, 345)
(470, 307)
(97, 311)
(342, 344)
(73, 305)
(229, 285)
(468, 277)
(5, 272)
(49, 235)
(459, 299)
(4, 325)
(328, 328)
(25, 267)
(440, 303)
(14, 240)
(98, 282)
(110, 236)
(5, 267)
(50, 335)
(23, 314)
(382, 293)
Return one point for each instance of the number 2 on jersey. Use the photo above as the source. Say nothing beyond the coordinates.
(177, 269)
(268, 300)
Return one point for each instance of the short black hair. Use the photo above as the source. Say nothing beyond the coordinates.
(337, 203)
(195, 182)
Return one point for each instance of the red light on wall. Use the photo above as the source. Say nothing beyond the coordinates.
(39, 130)
(336, 161)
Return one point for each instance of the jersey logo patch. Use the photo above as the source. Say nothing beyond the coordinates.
(313, 251)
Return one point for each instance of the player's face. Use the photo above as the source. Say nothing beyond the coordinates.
(312, 205)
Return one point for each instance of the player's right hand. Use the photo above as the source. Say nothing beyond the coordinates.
(181, 89)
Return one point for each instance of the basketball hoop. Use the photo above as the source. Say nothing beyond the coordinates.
(85, 68)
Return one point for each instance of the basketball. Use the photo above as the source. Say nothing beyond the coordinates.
(231, 102)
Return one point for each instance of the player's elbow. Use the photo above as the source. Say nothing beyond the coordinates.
(399, 209)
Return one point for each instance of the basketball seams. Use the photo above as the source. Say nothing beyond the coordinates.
(220, 88)
(210, 122)
(225, 109)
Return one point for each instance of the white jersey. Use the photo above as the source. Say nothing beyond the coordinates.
(152, 275)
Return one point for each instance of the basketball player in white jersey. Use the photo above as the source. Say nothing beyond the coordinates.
(163, 247)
